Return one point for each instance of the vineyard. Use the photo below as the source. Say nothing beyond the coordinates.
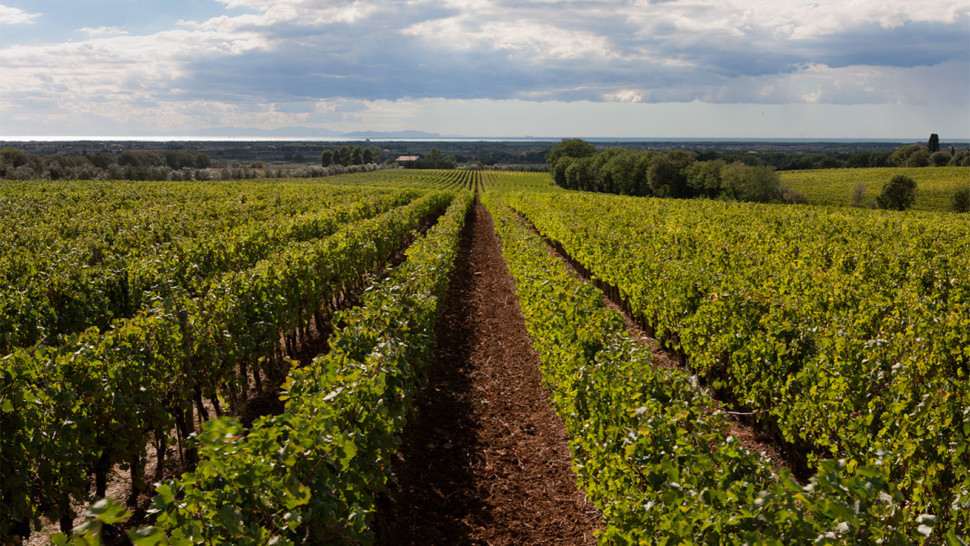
(850, 345)
(836, 186)
(248, 356)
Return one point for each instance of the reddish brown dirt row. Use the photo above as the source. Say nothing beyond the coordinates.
(486, 459)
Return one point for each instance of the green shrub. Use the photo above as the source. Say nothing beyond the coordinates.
(961, 200)
(940, 158)
(898, 194)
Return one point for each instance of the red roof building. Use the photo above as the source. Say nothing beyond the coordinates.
(401, 160)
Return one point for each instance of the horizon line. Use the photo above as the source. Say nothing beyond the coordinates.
(434, 138)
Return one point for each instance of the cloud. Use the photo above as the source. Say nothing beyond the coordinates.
(530, 41)
(849, 85)
(102, 31)
(15, 16)
(336, 61)
(625, 95)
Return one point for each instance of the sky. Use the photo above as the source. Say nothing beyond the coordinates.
(854, 69)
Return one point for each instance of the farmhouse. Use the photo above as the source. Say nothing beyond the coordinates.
(405, 159)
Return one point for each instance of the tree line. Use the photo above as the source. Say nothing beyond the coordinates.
(910, 155)
(15, 164)
(917, 155)
(930, 154)
(577, 164)
(351, 155)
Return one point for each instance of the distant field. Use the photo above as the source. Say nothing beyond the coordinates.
(835, 186)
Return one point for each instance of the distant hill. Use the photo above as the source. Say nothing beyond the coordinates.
(283, 132)
(392, 134)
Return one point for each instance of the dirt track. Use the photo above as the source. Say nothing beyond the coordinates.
(486, 460)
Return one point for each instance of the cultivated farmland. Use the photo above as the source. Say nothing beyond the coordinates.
(838, 186)
(288, 360)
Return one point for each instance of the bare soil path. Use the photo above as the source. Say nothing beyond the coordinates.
(486, 460)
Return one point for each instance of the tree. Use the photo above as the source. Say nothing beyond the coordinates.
(603, 178)
(343, 155)
(574, 147)
(829, 162)
(434, 157)
(667, 174)
(934, 143)
(367, 156)
(559, 171)
(202, 161)
(857, 160)
(664, 178)
(900, 157)
(621, 171)
(898, 194)
(15, 157)
(704, 178)
(746, 183)
(177, 160)
(960, 159)
(940, 158)
(579, 176)
(859, 194)
(377, 153)
(919, 158)
(326, 158)
(101, 160)
(641, 182)
(883, 159)
(128, 159)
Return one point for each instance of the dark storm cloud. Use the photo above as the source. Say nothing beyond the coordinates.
(908, 45)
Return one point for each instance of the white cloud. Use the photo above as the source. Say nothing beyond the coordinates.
(794, 19)
(15, 16)
(102, 31)
(256, 4)
(530, 40)
(119, 77)
(384, 64)
(624, 95)
(297, 12)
